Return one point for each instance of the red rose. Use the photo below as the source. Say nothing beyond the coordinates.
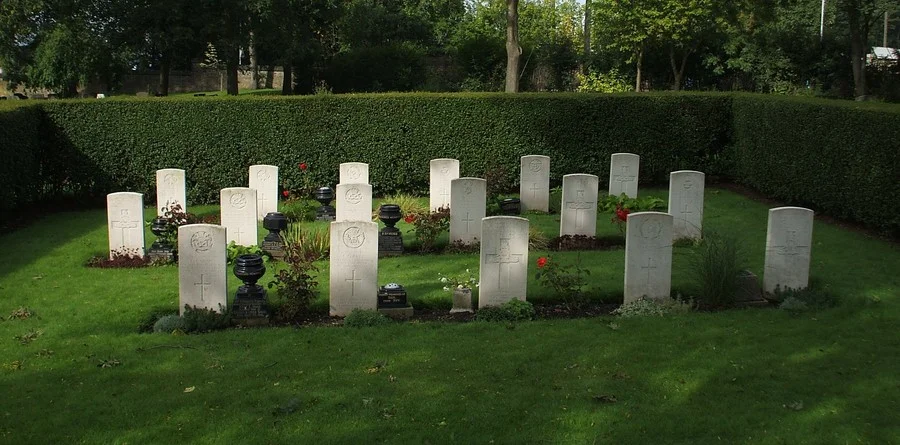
(622, 214)
(303, 166)
(542, 261)
(409, 219)
(286, 193)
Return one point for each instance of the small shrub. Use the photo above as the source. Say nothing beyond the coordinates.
(311, 243)
(646, 307)
(298, 192)
(584, 242)
(611, 203)
(364, 318)
(608, 82)
(512, 310)
(409, 204)
(716, 265)
(198, 320)
(569, 281)
(169, 323)
(146, 324)
(793, 305)
(813, 297)
(428, 226)
(459, 246)
(234, 251)
(295, 283)
(120, 258)
(175, 217)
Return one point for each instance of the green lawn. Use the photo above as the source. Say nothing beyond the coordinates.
(739, 376)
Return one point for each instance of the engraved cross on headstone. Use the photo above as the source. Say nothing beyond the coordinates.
(504, 257)
(687, 202)
(623, 178)
(125, 223)
(468, 219)
(445, 193)
(534, 189)
(649, 268)
(790, 247)
(352, 280)
(239, 233)
(203, 285)
(261, 199)
(580, 206)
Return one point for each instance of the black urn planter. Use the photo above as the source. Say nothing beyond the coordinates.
(274, 222)
(510, 206)
(390, 239)
(250, 305)
(326, 212)
(161, 249)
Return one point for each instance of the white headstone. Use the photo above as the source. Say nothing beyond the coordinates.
(534, 183)
(202, 273)
(468, 198)
(503, 275)
(648, 256)
(264, 179)
(353, 202)
(125, 216)
(788, 248)
(238, 215)
(578, 214)
(442, 172)
(354, 172)
(623, 174)
(686, 203)
(170, 189)
(353, 276)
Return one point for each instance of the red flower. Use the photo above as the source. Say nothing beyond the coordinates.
(286, 193)
(303, 166)
(409, 218)
(622, 214)
(542, 261)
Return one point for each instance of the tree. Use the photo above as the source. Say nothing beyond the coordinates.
(630, 26)
(861, 16)
(513, 50)
(683, 27)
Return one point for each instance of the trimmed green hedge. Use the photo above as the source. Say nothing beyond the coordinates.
(837, 157)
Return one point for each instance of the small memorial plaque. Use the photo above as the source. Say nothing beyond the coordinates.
(247, 309)
(161, 254)
(392, 295)
(390, 243)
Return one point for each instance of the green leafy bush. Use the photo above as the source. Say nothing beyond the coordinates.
(198, 320)
(234, 250)
(170, 323)
(512, 310)
(812, 298)
(296, 284)
(364, 318)
(146, 324)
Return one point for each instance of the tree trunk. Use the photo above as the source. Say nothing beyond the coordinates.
(859, 33)
(513, 50)
(270, 76)
(254, 63)
(231, 71)
(678, 72)
(165, 70)
(287, 85)
(587, 36)
(640, 61)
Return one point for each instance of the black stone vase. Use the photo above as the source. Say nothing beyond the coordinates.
(390, 215)
(250, 305)
(274, 222)
(326, 212)
(161, 249)
(510, 206)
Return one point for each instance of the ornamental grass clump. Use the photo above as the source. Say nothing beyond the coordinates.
(716, 265)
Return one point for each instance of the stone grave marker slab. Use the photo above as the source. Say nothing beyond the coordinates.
(442, 172)
(788, 248)
(354, 173)
(686, 189)
(170, 189)
(468, 198)
(623, 174)
(238, 215)
(353, 260)
(264, 179)
(534, 183)
(125, 218)
(202, 272)
(578, 214)
(503, 275)
(353, 202)
(648, 256)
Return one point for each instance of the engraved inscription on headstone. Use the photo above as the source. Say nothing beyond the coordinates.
(170, 189)
(534, 183)
(125, 218)
(442, 172)
(788, 248)
(238, 214)
(579, 205)
(623, 174)
(467, 208)
(353, 258)
(686, 189)
(648, 256)
(504, 260)
(264, 179)
(201, 267)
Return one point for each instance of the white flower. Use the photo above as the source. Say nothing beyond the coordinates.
(477, 284)
(444, 279)
(446, 288)
(460, 286)
(467, 271)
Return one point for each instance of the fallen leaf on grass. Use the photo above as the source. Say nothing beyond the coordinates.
(796, 406)
(190, 389)
(111, 363)
(605, 398)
